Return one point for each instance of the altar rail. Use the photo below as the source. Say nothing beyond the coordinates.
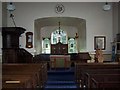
(75, 57)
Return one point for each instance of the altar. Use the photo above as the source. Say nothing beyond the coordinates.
(60, 61)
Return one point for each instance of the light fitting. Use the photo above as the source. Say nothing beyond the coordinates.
(106, 7)
(59, 28)
(76, 35)
(10, 7)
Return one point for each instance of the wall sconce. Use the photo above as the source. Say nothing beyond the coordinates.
(76, 35)
(29, 40)
(11, 8)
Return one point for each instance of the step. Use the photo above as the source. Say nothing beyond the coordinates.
(61, 86)
(53, 88)
(60, 71)
(60, 83)
(61, 78)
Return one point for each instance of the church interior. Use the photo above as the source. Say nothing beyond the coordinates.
(59, 45)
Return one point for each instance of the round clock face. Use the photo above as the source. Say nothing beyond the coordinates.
(59, 8)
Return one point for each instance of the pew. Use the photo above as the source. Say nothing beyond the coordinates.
(105, 81)
(27, 69)
(80, 69)
(17, 81)
(24, 75)
(89, 73)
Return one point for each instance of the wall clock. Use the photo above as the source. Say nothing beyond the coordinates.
(29, 39)
(59, 8)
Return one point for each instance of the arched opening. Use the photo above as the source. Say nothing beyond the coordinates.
(71, 25)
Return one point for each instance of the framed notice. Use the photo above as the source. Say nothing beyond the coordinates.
(100, 42)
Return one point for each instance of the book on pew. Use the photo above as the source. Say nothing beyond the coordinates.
(13, 81)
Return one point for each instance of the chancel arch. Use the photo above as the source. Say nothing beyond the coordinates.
(70, 25)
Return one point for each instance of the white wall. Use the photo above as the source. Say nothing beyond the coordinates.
(0, 46)
(119, 17)
(3, 23)
(0, 31)
(0, 14)
(115, 20)
(4, 14)
(98, 22)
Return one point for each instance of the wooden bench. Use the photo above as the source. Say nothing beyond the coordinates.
(81, 67)
(17, 81)
(29, 75)
(37, 70)
(88, 73)
(105, 81)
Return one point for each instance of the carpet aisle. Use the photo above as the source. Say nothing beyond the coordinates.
(61, 79)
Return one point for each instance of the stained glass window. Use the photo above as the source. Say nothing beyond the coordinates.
(72, 45)
(46, 45)
(59, 36)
